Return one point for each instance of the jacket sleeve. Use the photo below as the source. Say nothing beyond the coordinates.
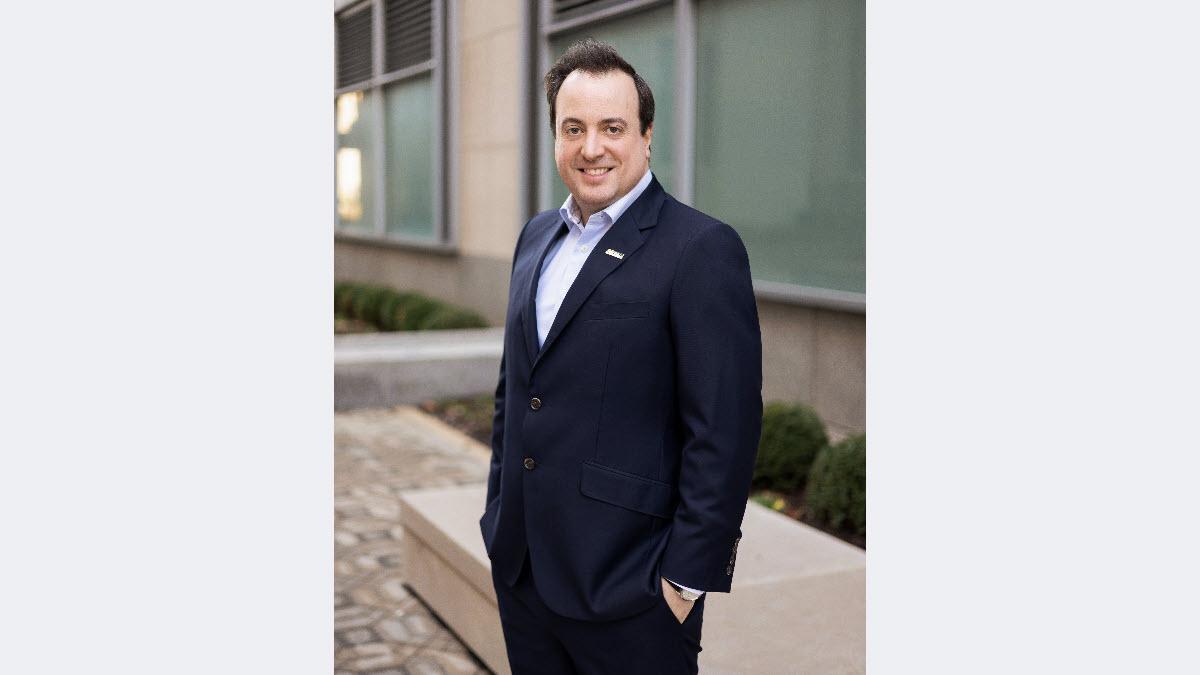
(718, 370)
(493, 482)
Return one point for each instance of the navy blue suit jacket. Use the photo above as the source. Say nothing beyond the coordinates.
(624, 447)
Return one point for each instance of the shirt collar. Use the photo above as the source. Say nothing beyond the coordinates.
(570, 211)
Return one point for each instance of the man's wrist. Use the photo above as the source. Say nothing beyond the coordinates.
(689, 594)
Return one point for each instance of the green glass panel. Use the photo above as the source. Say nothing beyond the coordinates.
(354, 165)
(780, 134)
(647, 41)
(410, 157)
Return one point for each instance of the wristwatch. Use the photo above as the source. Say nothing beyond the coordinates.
(683, 592)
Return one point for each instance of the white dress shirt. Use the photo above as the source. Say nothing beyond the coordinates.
(566, 258)
(564, 261)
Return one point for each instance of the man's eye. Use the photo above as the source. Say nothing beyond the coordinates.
(614, 130)
(572, 130)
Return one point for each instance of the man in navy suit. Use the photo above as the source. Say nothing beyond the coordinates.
(628, 408)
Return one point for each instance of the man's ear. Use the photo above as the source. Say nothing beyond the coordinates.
(649, 136)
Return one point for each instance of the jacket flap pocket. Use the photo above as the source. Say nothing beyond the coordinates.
(618, 310)
(625, 489)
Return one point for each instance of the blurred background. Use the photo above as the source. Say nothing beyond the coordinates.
(443, 152)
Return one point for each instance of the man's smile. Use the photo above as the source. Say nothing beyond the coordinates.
(596, 176)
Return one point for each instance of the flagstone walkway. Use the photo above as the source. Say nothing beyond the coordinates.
(379, 627)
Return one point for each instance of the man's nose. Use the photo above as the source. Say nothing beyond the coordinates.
(593, 147)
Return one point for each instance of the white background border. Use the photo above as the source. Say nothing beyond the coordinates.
(167, 371)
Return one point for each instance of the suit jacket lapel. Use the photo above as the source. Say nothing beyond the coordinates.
(625, 236)
(543, 243)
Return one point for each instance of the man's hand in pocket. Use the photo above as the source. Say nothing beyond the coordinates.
(680, 607)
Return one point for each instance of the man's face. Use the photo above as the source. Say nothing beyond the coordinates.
(598, 146)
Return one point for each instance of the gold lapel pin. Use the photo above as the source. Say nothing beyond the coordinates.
(615, 254)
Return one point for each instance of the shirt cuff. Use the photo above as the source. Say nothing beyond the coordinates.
(686, 588)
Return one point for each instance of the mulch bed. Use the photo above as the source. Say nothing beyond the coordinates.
(344, 325)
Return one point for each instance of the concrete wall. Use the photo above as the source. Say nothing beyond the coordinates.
(816, 356)
(490, 43)
(478, 282)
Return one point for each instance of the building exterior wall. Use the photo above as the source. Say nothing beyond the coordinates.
(816, 356)
(490, 44)
(478, 282)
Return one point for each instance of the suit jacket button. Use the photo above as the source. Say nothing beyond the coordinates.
(535, 403)
(529, 463)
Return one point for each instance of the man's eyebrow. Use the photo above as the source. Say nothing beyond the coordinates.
(604, 122)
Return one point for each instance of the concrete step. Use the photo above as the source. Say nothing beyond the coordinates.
(378, 370)
(798, 603)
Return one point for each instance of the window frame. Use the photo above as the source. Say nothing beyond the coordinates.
(438, 66)
(684, 121)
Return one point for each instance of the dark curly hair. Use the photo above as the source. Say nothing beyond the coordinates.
(596, 57)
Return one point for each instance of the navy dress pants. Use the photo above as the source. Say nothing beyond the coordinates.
(542, 642)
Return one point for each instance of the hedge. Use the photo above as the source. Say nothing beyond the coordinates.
(342, 295)
(392, 310)
(792, 435)
(837, 486)
(445, 318)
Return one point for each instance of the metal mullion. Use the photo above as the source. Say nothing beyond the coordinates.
(685, 101)
(389, 78)
(550, 28)
(439, 88)
(380, 122)
(337, 143)
(450, 102)
(544, 189)
(407, 72)
(527, 111)
(357, 86)
(380, 162)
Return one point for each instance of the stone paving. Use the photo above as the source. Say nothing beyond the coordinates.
(379, 627)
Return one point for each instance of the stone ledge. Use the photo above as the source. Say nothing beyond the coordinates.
(798, 602)
(377, 370)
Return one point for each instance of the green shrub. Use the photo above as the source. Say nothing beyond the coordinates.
(343, 293)
(385, 304)
(416, 309)
(385, 311)
(363, 302)
(392, 310)
(837, 486)
(447, 317)
(792, 435)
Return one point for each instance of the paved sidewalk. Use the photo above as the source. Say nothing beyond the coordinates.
(378, 626)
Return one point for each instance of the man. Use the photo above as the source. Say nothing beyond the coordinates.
(629, 407)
